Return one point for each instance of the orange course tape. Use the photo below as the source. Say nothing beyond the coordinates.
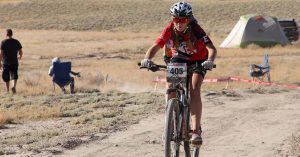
(237, 79)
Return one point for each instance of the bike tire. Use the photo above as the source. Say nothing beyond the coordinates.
(187, 148)
(196, 152)
(190, 151)
(186, 144)
(172, 114)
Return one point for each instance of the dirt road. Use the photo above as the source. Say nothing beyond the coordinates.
(235, 123)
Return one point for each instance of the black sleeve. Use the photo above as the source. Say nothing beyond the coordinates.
(19, 45)
(2, 45)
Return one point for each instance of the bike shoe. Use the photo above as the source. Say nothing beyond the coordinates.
(196, 139)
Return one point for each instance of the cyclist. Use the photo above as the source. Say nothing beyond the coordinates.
(188, 43)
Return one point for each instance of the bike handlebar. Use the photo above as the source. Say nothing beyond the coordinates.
(156, 67)
(161, 66)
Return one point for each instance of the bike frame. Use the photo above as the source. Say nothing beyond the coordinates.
(182, 95)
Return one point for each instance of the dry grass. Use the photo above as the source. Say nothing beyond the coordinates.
(295, 145)
(10, 1)
(97, 54)
(5, 117)
(217, 16)
(94, 54)
(109, 60)
(56, 120)
(25, 113)
(290, 146)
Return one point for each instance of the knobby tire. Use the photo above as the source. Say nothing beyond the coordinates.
(172, 115)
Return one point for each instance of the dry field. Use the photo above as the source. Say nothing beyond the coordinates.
(74, 119)
(115, 54)
(133, 15)
(105, 40)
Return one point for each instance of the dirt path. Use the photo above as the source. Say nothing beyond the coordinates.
(143, 139)
(235, 124)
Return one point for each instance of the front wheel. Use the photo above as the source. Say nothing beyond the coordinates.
(196, 152)
(172, 143)
(187, 148)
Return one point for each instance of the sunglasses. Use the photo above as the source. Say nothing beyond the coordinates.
(180, 20)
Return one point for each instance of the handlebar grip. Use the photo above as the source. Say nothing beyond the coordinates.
(214, 66)
(139, 64)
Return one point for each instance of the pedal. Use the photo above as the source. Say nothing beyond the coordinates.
(196, 144)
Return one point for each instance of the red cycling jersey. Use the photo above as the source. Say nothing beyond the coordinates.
(199, 51)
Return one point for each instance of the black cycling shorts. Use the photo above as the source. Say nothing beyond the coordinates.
(10, 72)
(190, 63)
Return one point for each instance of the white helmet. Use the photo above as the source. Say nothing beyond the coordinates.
(55, 59)
(181, 9)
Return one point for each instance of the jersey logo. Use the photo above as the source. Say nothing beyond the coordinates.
(185, 49)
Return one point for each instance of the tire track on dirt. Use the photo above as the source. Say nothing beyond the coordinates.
(251, 124)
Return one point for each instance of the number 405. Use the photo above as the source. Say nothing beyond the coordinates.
(176, 71)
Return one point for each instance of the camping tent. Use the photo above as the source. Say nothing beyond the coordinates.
(255, 29)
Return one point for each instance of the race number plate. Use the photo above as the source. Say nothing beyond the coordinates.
(176, 71)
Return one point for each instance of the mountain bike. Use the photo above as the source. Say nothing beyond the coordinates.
(177, 116)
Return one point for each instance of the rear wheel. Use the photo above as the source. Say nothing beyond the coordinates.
(172, 142)
(190, 151)
(187, 128)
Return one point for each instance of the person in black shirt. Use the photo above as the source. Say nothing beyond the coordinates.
(10, 48)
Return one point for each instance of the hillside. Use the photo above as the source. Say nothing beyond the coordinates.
(217, 16)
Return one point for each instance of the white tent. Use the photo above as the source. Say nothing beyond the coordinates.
(255, 29)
